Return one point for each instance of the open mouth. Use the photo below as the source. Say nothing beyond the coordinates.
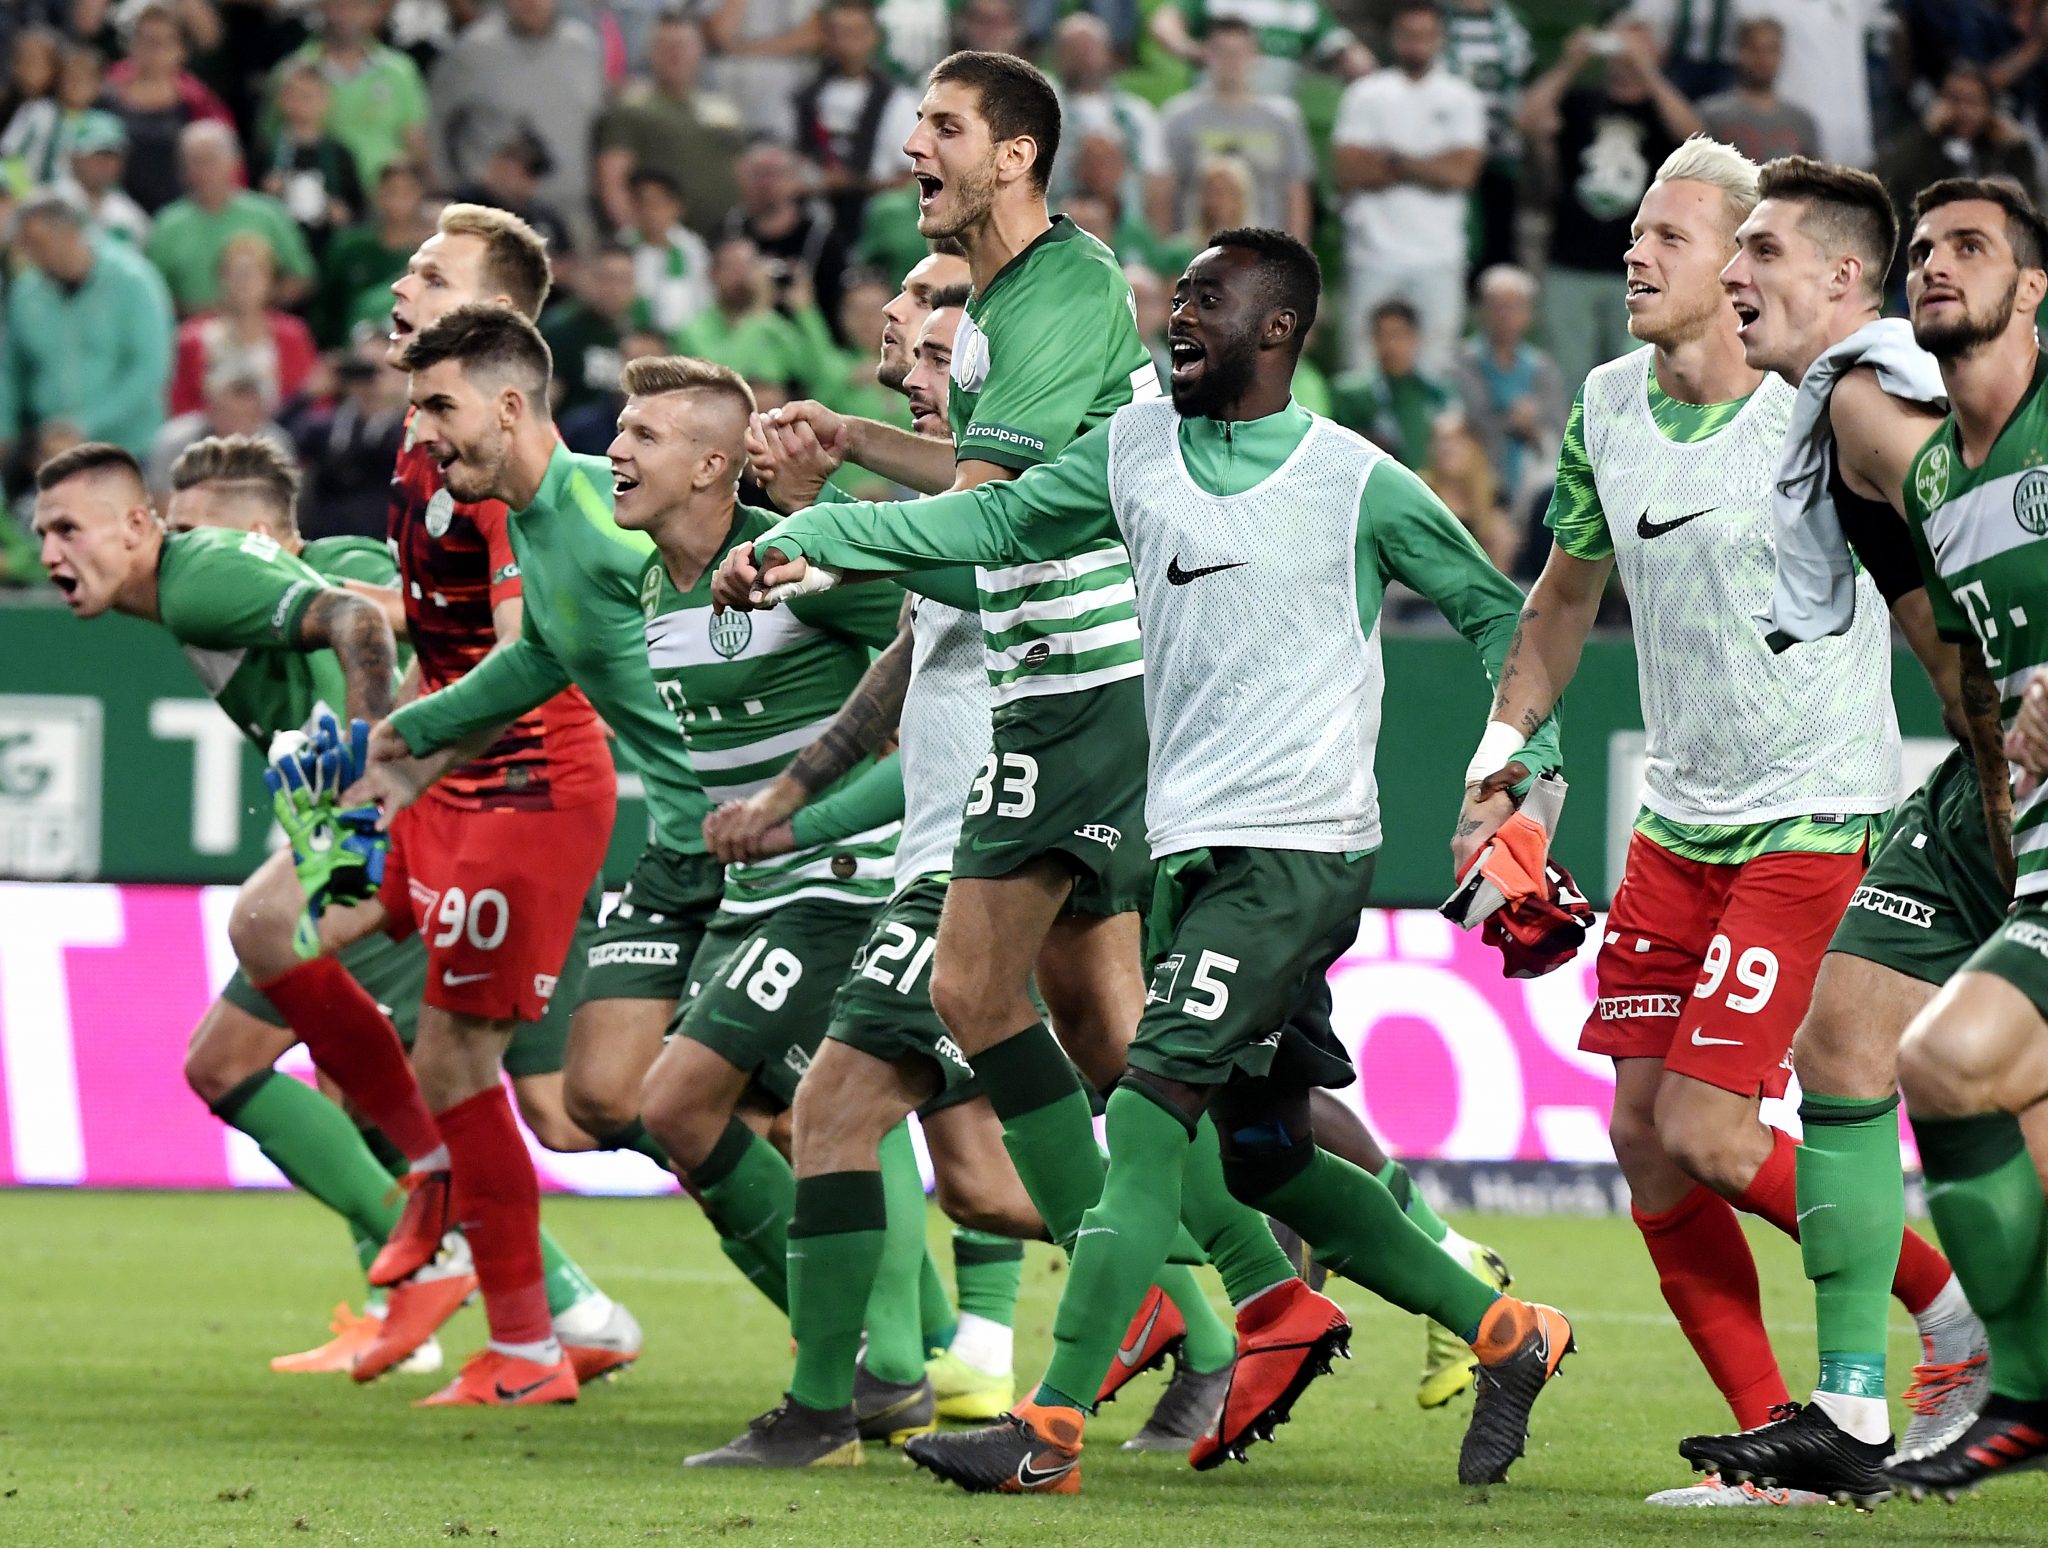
(928, 189)
(1641, 290)
(68, 584)
(1186, 356)
(401, 329)
(1745, 314)
(623, 483)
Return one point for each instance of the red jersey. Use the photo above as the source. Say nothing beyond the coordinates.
(455, 565)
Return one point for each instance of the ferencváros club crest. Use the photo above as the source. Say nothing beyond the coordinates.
(440, 512)
(730, 632)
(1930, 482)
(2030, 501)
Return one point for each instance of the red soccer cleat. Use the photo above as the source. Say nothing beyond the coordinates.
(493, 1379)
(417, 1236)
(352, 1335)
(414, 1314)
(1286, 1338)
(1156, 1333)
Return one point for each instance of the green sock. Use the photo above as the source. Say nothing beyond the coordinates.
(1047, 1127)
(1852, 1207)
(1234, 1235)
(895, 1343)
(935, 1318)
(1211, 1344)
(567, 1284)
(1121, 1247)
(1987, 1204)
(634, 1136)
(1357, 1229)
(1395, 1179)
(748, 1193)
(987, 1273)
(835, 1246)
(320, 1150)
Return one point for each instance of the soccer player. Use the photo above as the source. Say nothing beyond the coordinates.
(1261, 810)
(1761, 803)
(1974, 1063)
(1807, 282)
(1047, 878)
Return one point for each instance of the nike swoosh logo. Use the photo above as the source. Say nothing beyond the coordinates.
(1030, 1477)
(1176, 576)
(1127, 1354)
(514, 1394)
(1714, 1042)
(454, 980)
(1646, 528)
(1811, 1209)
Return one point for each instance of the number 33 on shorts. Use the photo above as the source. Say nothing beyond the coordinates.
(1013, 777)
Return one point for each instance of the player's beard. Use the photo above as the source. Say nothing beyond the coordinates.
(973, 194)
(1679, 328)
(892, 373)
(474, 474)
(1227, 371)
(1970, 333)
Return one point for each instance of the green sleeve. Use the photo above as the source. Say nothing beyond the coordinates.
(1950, 621)
(234, 595)
(866, 615)
(953, 587)
(1406, 533)
(1048, 512)
(870, 799)
(1575, 518)
(1051, 379)
(514, 678)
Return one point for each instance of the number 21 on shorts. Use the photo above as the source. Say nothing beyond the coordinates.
(1207, 995)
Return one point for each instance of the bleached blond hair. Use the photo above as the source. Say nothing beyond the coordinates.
(1702, 159)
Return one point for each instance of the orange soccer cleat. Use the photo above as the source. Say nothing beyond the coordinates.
(417, 1236)
(493, 1379)
(1156, 1333)
(416, 1310)
(352, 1335)
(1286, 1338)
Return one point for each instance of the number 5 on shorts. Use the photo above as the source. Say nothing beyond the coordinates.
(1208, 997)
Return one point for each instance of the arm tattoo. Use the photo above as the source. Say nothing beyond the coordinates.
(356, 630)
(1979, 695)
(1510, 670)
(864, 722)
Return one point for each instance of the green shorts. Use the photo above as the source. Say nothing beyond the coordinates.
(393, 972)
(644, 948)
(2018, 951)
(1066, 777)
(884, 1004)
(761, 988)
(1932, 895)
(1246, 934)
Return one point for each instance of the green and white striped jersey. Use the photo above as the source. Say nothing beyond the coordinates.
(1050, 348)
(750, 690)
(1982, 537)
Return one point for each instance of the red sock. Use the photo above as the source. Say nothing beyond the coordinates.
(1708, 1278)
(1772, 1195)
(355, 1042)
(497, 1203)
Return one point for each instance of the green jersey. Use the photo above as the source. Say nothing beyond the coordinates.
(581, 575)
(1050, 348)
(749, 690)
(235, 600)
(1982, 537)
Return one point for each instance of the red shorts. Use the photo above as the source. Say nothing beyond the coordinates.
(1710, 967)
(495, 895)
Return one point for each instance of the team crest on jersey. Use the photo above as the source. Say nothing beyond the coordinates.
(2030, 501)
(730, 632)
(1930, 479)
(970, 356)
(650, 591)
(440, 512)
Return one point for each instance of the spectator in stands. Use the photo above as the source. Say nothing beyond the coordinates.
(191, 232)
(1753, 117)
(245, 337)
(33, 115)
(791, 231)
(989, 25)
(1091, 102)
(1101, 179)
(234, 406)
(520, 67)
(765, 50)
(1963, 134)
(1226, 116)
(347, 443)
(377, 101)
(1224, 203)
(1458, 472)
(743, 329)
(89, 327)
(1486, 44)
(1152, 297)
(512, 180)
(1696, 43)
(1392, 403)
(157, 98)
(671, 264)
(1513, 397)
(1826, 68)
(852, 119)
(1409, 142)
(1284, 38)
(843, 377)
(584, 333)
(673, 127)
(306, 169)
(358, 267)
(889, 240)
(1604, 144)
(2010, 40)
(99, 150)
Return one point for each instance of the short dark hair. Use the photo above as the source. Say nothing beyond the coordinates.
(89, 457)
(1223, 24)
(1401, 8)
(2024, 228)
(1847, 211)
(249, 462)
(1016, 100)
(1289, 276)
(489, 338)
(952, 295)
(1404, 311)
(660, 179)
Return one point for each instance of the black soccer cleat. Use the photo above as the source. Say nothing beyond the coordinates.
(1030, 1450)
(891, 1411)
(1185, 1410)
(1799, 1447)
(1507, 1384)
(2010, 1436)
(790, 1435)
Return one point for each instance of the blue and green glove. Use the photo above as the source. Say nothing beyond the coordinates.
(338, 853)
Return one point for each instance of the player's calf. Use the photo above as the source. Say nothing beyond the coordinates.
(1713, 1135)
(612, 1044)
(229, 1046)
(687, 1099)
(543, 1109)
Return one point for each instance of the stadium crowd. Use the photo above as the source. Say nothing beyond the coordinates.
(206, 200)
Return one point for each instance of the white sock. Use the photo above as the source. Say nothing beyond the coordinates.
(584, 1317)
(1866, 1418)
(435, 1160)
(1239, 1306)
(1951, 1305)
(1458, 1248)
(986, 1345)
(547, 1352)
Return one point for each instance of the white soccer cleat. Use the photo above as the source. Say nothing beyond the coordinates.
(1710, 1493)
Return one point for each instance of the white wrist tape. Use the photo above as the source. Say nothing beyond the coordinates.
(816, 578)
(1497, 748)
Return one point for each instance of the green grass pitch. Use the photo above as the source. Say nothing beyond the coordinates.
(138, 1409)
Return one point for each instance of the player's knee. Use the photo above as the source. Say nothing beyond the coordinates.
(210, 1075)
(961, 996)
(548, 1120)
(261, 934)
(596, 1104)
(1713, 1154)
(971, 1203)
(1261, 1157)
(1633, 1134)
(1938, 1073)
(676, 1115)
